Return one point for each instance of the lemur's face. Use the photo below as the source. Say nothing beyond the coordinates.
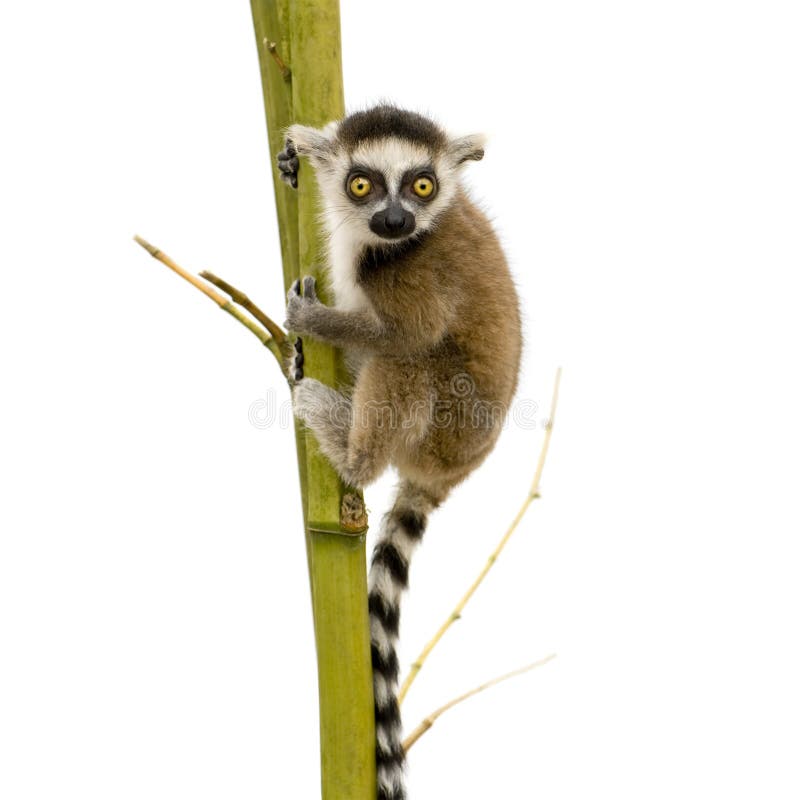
(388, 190)
(394, 188)
(385, 174)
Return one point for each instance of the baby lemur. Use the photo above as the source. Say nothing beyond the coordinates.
(426, 310)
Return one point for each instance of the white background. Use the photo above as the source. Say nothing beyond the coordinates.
(643, 172)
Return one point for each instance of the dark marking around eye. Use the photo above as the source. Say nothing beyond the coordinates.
(359, 171)
(424, 173)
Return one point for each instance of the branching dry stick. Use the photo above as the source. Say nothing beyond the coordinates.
(532, 495)
(240, 298)
(226, 305)
(427, 723)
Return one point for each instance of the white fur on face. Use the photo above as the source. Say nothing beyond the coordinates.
(393, 158)
(347, 222)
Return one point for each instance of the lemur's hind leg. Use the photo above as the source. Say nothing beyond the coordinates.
(372, 434)
(368, 450)
(356, 439)
(326, 412)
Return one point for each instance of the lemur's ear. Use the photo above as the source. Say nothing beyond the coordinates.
(316, 143)
(467, 148)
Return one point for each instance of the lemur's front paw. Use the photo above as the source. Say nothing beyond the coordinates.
(299, 307)
(288, 164)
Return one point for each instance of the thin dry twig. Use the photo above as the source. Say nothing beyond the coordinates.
(226, 305)
(533, 494)
(240, 298)
(273, 51)
(427, 723)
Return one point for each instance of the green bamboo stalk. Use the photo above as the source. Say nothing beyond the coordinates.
(271, 23)
(302, 82)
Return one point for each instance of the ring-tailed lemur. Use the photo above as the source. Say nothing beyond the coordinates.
(427, 310)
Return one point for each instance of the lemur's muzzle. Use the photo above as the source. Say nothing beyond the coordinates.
(392, 222)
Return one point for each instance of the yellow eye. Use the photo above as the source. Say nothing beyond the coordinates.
(423, 186)
(360, 186)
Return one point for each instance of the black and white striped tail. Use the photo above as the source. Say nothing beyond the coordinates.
(400, 533)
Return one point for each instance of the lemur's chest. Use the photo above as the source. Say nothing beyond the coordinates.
(343, 251)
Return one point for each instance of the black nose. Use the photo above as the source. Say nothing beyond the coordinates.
(392, 222)
(395, 219)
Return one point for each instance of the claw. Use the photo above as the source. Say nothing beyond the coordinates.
(309, 288)
(288, 163)
(298, 361)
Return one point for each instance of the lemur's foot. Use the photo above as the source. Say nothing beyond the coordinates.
(296, 373)
(309, 400)
(288, 164)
